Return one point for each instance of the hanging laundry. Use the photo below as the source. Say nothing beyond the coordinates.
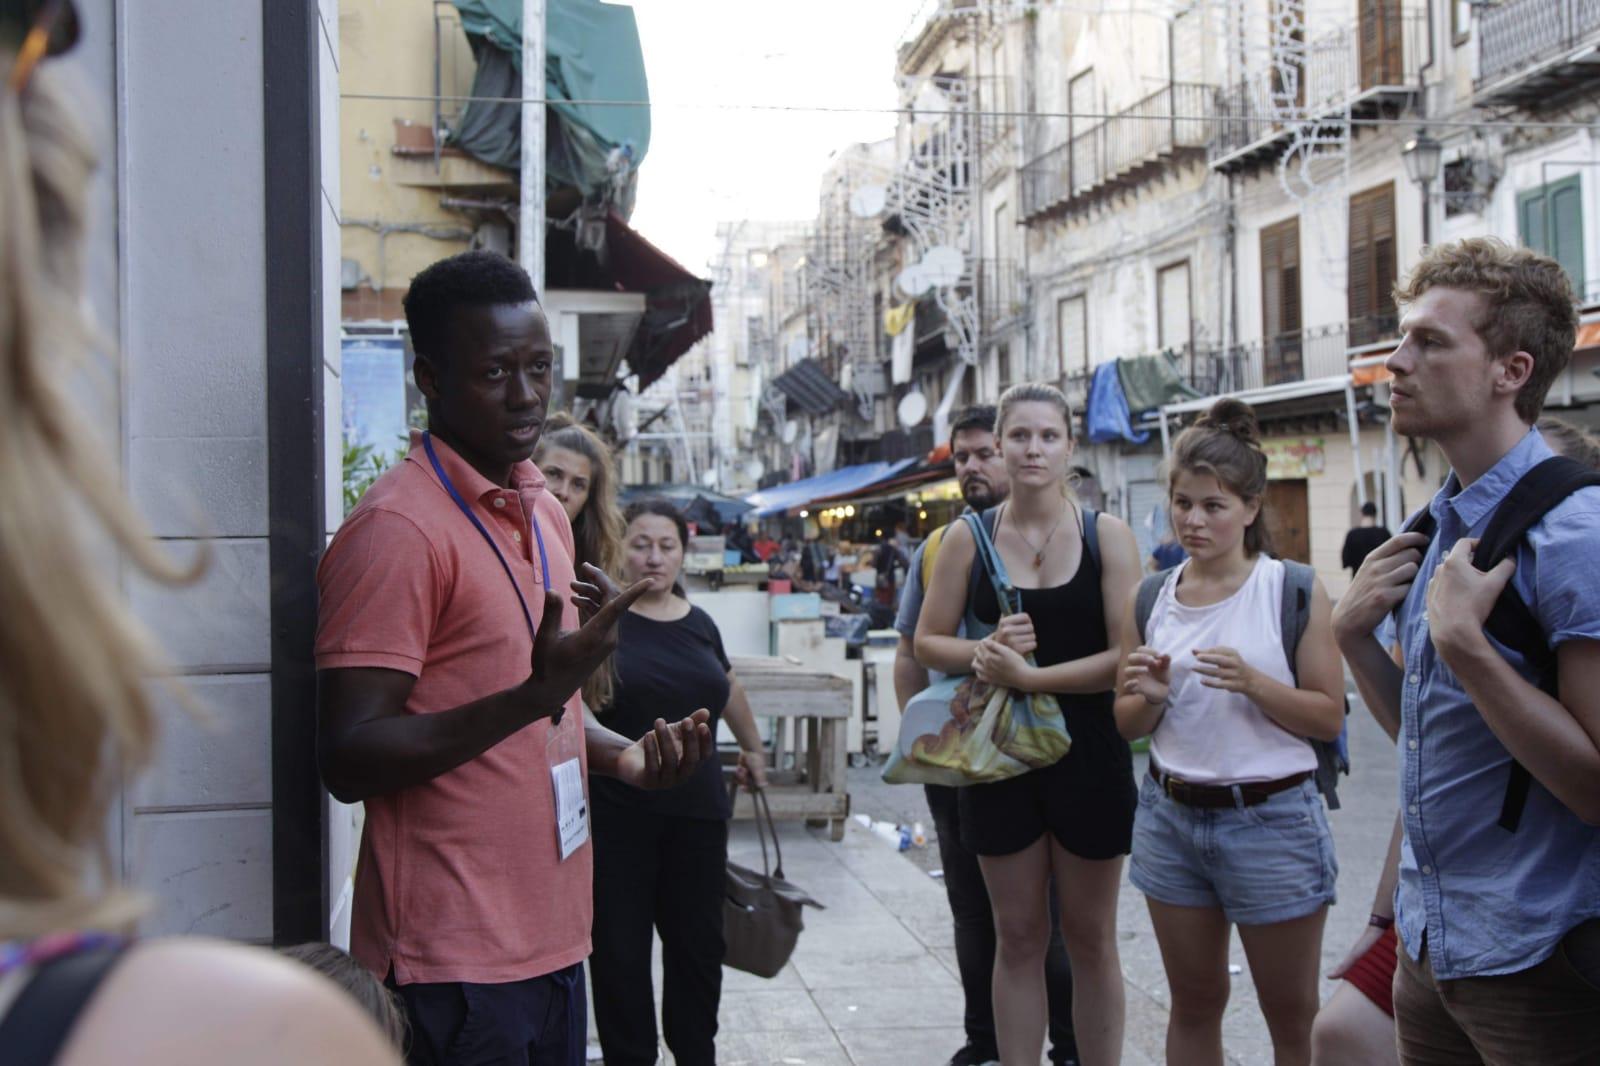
(901, 352)
(1106, 414)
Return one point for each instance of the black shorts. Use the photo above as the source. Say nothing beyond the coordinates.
(1092, 819)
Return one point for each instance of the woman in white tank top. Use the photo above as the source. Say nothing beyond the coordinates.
(1230, 829)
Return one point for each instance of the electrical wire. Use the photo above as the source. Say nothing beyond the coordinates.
(1330, 117)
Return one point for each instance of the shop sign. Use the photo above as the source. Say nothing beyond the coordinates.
(1294, 457)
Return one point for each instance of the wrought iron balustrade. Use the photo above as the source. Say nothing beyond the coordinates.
(1516, 34)
(1120, 151)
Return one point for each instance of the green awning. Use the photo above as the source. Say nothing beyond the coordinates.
(592, 53)
(1149, 381)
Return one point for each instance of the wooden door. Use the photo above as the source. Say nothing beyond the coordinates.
(1289, 519)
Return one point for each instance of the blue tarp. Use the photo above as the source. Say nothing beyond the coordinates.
(782, 498)
(1106, 415)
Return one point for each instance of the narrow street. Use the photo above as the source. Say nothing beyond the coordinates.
(874, 980)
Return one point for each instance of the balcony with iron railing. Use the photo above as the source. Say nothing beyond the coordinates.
(997, 124)
(1161, 131)
(1535, 50)
(1364, 69)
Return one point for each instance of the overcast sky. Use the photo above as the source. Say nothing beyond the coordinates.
(705, 166)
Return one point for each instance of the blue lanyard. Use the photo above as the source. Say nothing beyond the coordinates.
(544, 563)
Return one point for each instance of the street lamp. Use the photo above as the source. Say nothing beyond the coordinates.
(1421, 156)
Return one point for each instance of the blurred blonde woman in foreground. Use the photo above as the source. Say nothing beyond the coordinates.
(75, 711)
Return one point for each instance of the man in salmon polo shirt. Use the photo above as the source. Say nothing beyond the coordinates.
(449, 659)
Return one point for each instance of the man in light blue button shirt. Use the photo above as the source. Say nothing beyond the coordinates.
(1500, 931)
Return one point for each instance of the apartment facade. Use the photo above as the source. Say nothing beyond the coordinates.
(1217, 199)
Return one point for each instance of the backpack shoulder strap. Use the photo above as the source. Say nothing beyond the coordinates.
(1534, 495)
(1299, 581)
(930, 552)
(1295, 611)
(1091, 535)
(983, 527)
(1512, 622)
(1421, 522)
(1145, 601)
(42, 1016)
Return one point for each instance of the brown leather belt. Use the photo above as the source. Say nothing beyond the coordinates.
(1190, 795)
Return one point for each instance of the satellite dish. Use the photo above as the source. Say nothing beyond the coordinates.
(754, 469)
(709, 479)
(913, 409)
(791, 430)
(943, 265)
(913, 281)
(868, 201)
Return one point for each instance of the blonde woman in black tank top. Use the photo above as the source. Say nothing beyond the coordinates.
(1071, 821)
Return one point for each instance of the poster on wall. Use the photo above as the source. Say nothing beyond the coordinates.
(1294, 457)
(373, 377)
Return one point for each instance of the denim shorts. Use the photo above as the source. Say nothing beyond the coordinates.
(1266, 863)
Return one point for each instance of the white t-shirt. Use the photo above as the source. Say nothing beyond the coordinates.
(1210, 735)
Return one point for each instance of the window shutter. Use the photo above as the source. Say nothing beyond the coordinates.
(1530, 219)
(1383, 259)
(1394, 60)
(1172, 306)
(1289, 316)
(1359, 288)
(1271, 282)
(1371, 45)
(1372, 263)
(1566, 229)
(1072, 328)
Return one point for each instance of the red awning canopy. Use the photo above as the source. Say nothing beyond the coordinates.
(677, 303)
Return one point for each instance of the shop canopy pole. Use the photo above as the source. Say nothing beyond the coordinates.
(1355, 442)
(530, 212)
(1166, 440)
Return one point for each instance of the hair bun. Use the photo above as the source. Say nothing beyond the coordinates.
(1235, 417)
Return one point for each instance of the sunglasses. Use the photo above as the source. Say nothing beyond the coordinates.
(52, 30)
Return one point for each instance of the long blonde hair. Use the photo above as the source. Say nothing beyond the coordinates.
(75, 706)
(597, 531)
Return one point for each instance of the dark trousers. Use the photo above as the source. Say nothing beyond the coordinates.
(1548, 1014)
(666, 873)
(542, 1021)
(975, 940)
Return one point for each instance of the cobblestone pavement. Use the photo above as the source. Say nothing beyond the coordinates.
(874, 978)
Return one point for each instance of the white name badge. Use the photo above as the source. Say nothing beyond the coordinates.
(572, 808)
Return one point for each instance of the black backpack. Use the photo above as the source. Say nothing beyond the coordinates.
(1511, 622)
(1295, 614)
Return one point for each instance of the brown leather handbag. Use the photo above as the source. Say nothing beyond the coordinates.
(761, 911)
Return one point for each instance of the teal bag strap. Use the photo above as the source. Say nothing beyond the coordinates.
(1010, 602)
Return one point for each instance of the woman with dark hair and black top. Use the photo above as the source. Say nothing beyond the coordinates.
(1071, 821)
(659, 857)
